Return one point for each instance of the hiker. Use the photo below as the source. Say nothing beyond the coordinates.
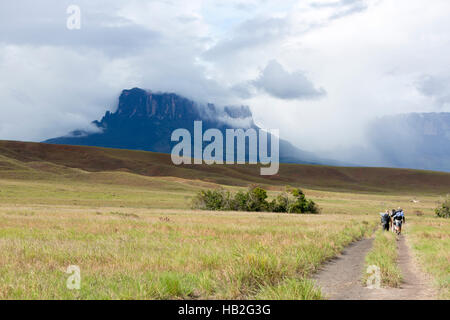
(392, 219)
(399, 219)
(385, 220)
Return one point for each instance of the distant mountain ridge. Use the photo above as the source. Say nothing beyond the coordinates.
(50, 162)
(409, 140)
(413, 140)
(145, 121)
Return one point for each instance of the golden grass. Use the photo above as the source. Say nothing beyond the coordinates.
(132, 237)
(384, 255)
(152, 254)
(430, 238)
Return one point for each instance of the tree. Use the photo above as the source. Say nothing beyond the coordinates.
(301, 204)
(211, 200)
(257, 199)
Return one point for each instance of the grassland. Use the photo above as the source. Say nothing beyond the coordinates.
(430, 239)
(123, 217)
(20, 160)
(157, 254)
(384, 255)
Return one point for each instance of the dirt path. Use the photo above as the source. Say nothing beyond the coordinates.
(340, 279)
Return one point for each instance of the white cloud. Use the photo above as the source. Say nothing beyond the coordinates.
(369, 56)
(436, 87)
(278, 82)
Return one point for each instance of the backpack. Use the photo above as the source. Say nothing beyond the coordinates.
(399, 215)
(385, 218)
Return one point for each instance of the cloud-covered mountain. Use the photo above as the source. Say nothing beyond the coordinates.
(145, 121)
(410, 140)
(414, 140)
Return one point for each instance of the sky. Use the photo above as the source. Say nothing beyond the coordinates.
(319, 71)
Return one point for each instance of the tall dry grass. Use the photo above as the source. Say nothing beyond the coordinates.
(155, 254)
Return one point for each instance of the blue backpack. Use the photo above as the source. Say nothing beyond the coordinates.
(399, 215)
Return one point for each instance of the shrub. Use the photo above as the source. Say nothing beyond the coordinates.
(280, 203)
(443, 210)
(240, 201)
(301, 204)
(211, 200)
(255, 199)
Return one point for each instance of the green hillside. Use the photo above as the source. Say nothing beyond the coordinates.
(26, 160)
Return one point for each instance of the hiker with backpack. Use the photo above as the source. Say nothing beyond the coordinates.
(385, 220)
(392, 214)
(398, 219)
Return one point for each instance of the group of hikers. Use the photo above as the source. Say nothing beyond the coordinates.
(393, 219)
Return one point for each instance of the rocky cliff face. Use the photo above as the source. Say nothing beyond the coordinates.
(137, 106)
(145, 121)
(136, 103)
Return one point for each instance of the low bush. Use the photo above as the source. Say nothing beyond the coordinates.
(301, 204)
(443, 210)
(255, 199)
(211, 199)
